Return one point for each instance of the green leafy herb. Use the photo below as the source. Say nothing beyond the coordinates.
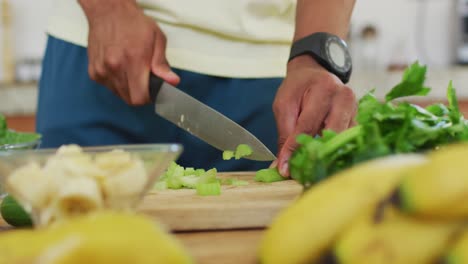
(411, 84)
(10, 137)
(384, 128)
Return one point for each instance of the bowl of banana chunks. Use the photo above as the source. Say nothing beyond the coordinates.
(58, 184)
(404, 208)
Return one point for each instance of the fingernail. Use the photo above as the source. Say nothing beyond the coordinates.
(285, 169)
(274, 164)
(172, 75)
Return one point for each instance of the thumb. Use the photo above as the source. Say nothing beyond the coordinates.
(159, 64)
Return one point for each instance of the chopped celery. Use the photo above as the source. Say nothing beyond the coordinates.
(199, 172)
(189, 181)
(205, 189)
(189, 171)
(235, 182)
(243, 150)
(162, 185)
(178, 177)
(174, 183)
(228, 154)
(268, 175)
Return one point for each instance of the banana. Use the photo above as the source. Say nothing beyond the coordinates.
(458, 252)
(31, 186)
(99, 237)
(304, 230)
(393, 238)
(77, 196)
(440, 189)
(125, 186)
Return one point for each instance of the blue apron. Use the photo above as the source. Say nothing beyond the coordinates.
(72, 108)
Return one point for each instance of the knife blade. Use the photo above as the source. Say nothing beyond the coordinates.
(203, 121)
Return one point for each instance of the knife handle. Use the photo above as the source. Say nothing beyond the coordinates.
(155, 84)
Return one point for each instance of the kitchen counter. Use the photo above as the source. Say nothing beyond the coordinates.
(22, 99)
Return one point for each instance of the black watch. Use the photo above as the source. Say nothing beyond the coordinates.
(330, 51)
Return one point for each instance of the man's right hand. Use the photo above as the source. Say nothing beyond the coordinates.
(124, 45)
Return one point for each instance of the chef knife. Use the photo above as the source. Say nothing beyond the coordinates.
(202, 121)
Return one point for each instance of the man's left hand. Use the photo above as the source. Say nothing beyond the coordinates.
(309, 100)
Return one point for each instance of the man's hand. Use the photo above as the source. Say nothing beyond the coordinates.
(309, 99)
(123, 46)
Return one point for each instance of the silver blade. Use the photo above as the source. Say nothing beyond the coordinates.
(206, 123)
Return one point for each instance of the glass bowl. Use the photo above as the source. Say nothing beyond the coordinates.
(21, 146)
(29, 140)
(155, 159)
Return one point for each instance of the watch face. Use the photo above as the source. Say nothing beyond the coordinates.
(337, 53)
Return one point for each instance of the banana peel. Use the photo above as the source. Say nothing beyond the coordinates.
(394, 238)
(439, 189)
(306, 229)
(100, 237)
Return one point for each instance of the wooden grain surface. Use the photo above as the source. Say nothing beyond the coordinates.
(227, 247)
(250, 206)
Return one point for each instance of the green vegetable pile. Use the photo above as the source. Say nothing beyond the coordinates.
(9, 137)
(384, 128)
(205, 182)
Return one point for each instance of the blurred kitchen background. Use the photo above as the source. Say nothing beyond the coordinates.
(385, 36)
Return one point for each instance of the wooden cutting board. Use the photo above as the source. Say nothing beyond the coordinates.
(238, 207)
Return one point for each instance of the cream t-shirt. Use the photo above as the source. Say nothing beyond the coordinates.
(229, 38)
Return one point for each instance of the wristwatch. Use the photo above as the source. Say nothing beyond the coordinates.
(330, 51)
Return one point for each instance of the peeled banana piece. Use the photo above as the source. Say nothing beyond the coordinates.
(439, 189)
(72, 182)
(100, 237)
(306, 229)
(392, 237)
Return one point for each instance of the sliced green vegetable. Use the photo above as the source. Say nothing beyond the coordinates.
(199, 172)
(243, 150)
(13, 213)
(268, 175)
(189, 171)
(161, 185)
(178, 177)
(206, 189)
(235, 182)
(228, 154)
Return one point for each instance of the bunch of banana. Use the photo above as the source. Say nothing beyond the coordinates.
(73, 182)
(397, 209)
(99, 237)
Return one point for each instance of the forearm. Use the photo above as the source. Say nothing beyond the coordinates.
(97, 8)
(331, 16)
